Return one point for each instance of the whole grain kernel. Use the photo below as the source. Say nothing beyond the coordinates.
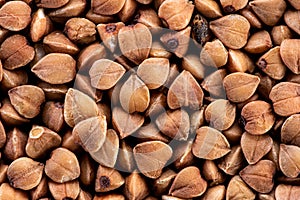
(15, 52)
(212, 174)
(238, 61)
(40, 141)
(188, 183)
(107, 7)
(269, 12)
(151, 157)
(220, 114)
(105, 74)
(53, 115)
(248, 13)
(25, 173)
(232, 30)
(283, 95)
(53, 92)
(177, 42)
(176, 14)
(51, 4)
(148, 17)
(41, 190)
(109, 34)
(87, 170)
(262, 145)
(214, 54)
(259, 42)
(40, 25)
(90, 133)
(80, 30)
(291, 18)
(78, 106)
(150, 132)
(158, 51)
(135, 186)
(10, 116)
(161, 184)
(289, 132)
(258, 116)
(271, 64)
(259, 176)
(27, 100)
(57, 42)
(289, 160)
(217, 192)
(128, 10)
(240, 86)
(125, 161)
(232, 163)
(108, 179)
(55, 68)
(208, 8)
(135, 42)
(8, 192)
(13, 79)
(154, 72)
(62, 166)
(184, 155)
(15, 15)
(238, 189)
(290, 54)
(210, 144)
(213, 83)
(174, 124)
(185, 91)
(125, 123)
(68, 190)
(280, 33)
(282, 191)
(71, 9)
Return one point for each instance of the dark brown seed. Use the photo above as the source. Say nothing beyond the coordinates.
(174, 124)
(27, 99)
(15, 15)
(260, 176)
(62, 166)
(210, 144)
(25, 173)
(188, 183)
(151, 157)
(40, 141)
(200, 30)
(185, 91)
(255, 146)
(108, 179)
(15, 52)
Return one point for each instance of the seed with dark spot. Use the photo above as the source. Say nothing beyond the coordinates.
(104, 181)
(262, 63)
(172, 44)
(229, 9)
(242, 122)
(200, 30)
(59, 105)
(110, 28)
